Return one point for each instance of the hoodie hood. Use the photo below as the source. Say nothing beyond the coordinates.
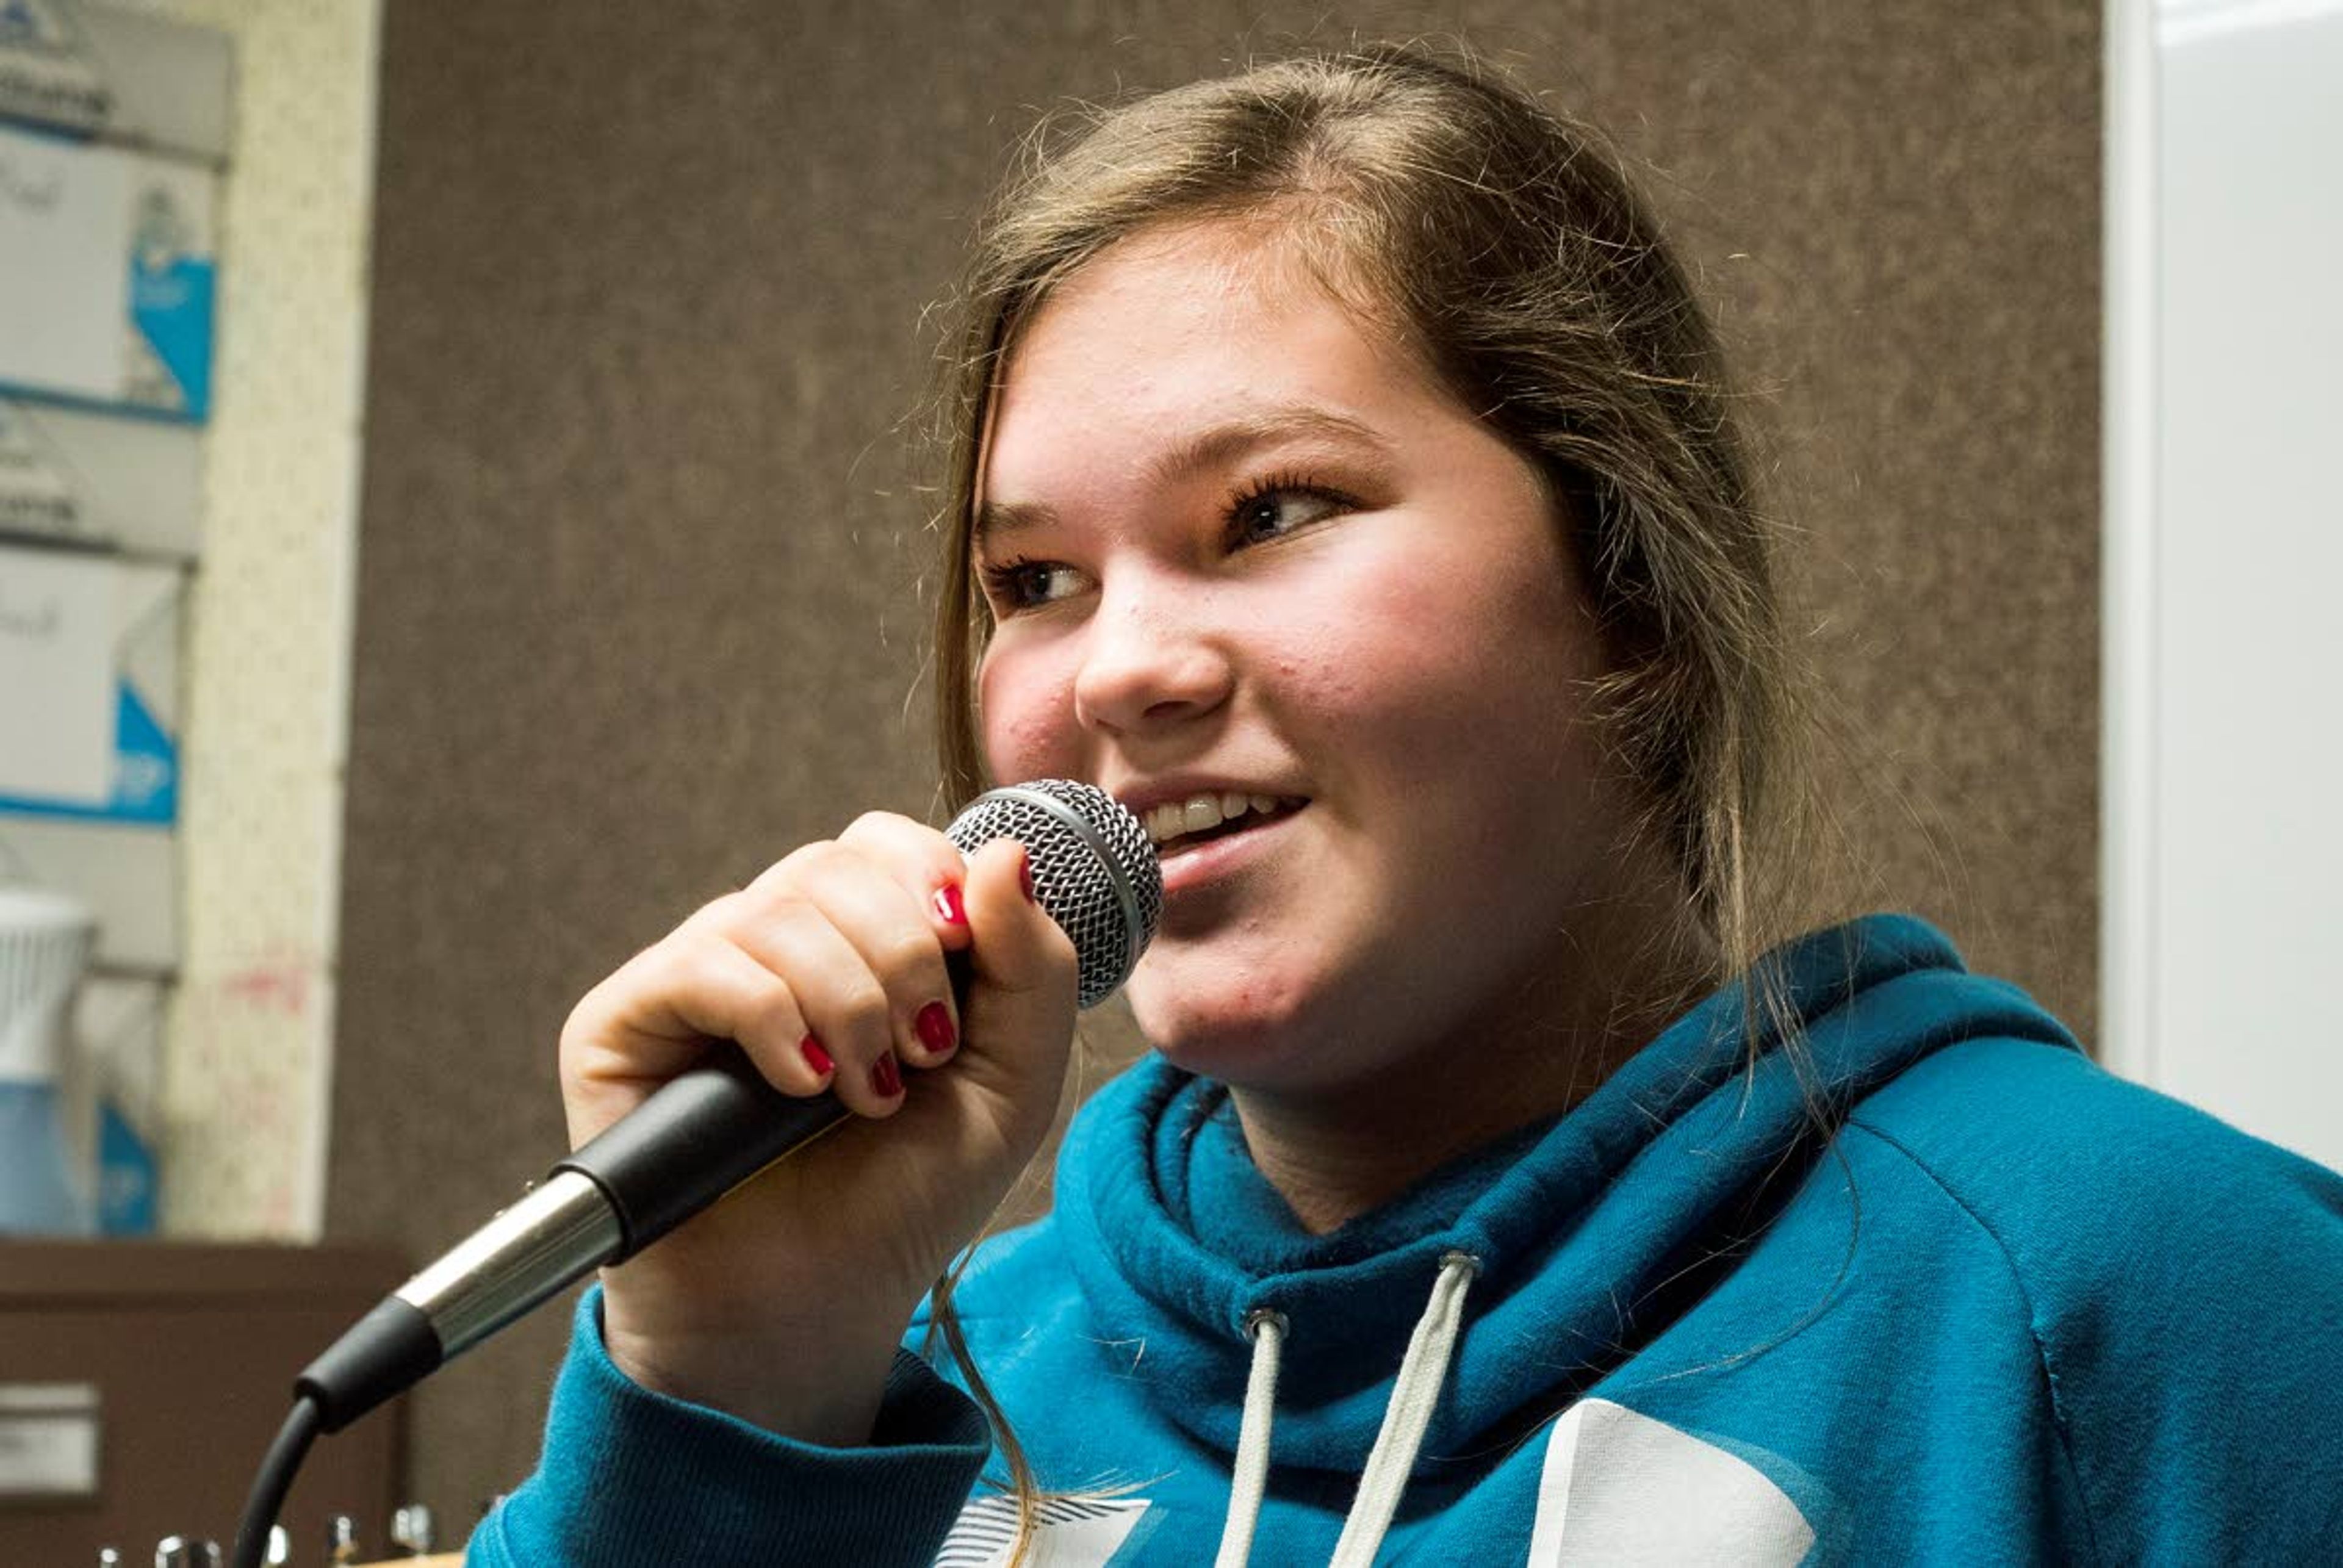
(1583, 1230)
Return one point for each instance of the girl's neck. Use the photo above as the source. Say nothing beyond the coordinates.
(1337, 1154)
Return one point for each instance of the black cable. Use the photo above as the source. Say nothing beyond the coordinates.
(275, 1479)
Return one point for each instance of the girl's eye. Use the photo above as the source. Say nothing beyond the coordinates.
(1273, 510)
(1017, 584)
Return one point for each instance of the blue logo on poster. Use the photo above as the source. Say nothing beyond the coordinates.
(171, 298)
(147, 766)
(146, 774)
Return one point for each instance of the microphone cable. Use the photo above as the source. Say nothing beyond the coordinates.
(277, 1468)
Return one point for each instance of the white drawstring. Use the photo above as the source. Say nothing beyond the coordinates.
(1251, 1479)
(1414, 1394)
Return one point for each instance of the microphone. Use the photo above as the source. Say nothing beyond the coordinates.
(712, 1128)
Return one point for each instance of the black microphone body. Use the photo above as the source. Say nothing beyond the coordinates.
(711, 1128)
(703, 1133)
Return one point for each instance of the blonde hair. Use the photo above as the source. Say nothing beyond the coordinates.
(1504, 244)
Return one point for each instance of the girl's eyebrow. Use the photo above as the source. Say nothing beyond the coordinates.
(997, 520)
(1209, 448)
(1215, 447)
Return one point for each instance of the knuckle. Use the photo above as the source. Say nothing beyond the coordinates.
(799, 863)
(826, 854)
(784, 910)
(578, 1028)
(714, 915)
(901, 839)
(773, 1019)
(860, 1007)
(775, 910)
(684, 968)
(908, 957)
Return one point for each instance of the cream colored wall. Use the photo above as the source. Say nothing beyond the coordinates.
(247, 1053)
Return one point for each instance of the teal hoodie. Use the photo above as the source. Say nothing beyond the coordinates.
(2012, 1309)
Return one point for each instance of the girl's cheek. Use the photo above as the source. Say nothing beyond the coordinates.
(1026, 716)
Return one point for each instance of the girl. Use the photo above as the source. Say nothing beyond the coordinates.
(1344, 481)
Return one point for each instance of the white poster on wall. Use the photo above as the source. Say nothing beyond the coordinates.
(56, 676)
(107, 293)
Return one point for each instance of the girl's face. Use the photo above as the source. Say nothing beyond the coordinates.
(1243, 549)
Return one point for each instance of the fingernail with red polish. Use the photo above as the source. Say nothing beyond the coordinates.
(934, 1027)
(816, 1058)
(948, 905)
(886, 1078)
(1025, 876)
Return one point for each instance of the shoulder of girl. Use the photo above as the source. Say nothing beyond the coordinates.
(2091, 1184)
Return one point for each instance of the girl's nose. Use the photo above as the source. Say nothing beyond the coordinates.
(1149, 661)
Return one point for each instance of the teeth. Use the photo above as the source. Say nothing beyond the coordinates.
(1200, 812)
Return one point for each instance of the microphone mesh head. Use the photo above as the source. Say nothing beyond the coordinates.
(1094, 870)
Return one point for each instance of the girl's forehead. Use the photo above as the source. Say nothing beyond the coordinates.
(1194, 281)
(1208, 276)
(1181, 322)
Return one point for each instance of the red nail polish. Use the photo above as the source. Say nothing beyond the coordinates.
(816, 1058)
(948, 905)
(885, 1078)
(1025, 876)
(934, 1027)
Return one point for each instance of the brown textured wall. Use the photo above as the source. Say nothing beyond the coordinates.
(635, 605)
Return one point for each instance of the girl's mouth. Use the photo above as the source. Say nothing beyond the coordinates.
(1179, 824)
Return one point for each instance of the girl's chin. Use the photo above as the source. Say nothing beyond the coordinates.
(1206, 1041)
(1241, 1049)
(1246, 1020)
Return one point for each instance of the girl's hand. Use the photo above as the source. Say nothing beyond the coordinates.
(783, 1303)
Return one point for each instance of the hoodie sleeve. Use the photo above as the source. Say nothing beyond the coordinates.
(632, 1477)
(2186, 1287)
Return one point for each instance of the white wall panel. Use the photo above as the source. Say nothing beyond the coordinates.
(2225, 561)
